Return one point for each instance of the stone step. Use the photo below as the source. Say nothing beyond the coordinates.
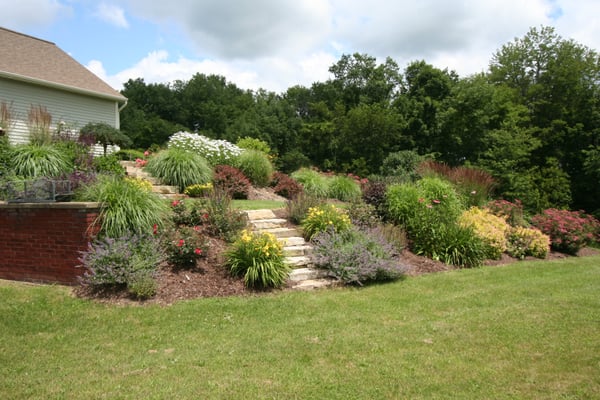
(292, 241)
(261, 224)
(283, 232)
(302, 274)
(297, 261)
(260, 214)
(312, 284)
(165, 189)
(298, 250)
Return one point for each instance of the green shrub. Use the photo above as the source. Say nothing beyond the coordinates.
(189, 212)
(314, 183)
(256, 166)
(324, 218)
(297, 207)
(33, 161)
(127, 262)
(5, 157)
(108, 165)
(491, 229)
(524, 242)
(402, 164)
(126, 207)
(249, 143)
(569, 231)
(450, 243)
(221, 219)
(356, 257)
(293, 161)
(343, 188)
(179, 168)
(258, 257)
(363, 215)
(129, 154)
(142, 285)
(232, 181)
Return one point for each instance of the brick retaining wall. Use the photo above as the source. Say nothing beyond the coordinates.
(40, 242)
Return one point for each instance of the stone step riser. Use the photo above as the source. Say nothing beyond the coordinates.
(295, 251)
(263, 224)
(282, 233)
(302, 274)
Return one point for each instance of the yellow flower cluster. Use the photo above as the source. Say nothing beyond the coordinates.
(493, 230)
(322, 218)
(198, 190)
(140, 183)
(263, 244)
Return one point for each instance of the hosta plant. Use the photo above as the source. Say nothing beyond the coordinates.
(325, 218)
(258, 258)
(569, 231)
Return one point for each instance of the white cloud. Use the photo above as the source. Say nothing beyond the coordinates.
(26, 14)
(275, 44)
(112, 14)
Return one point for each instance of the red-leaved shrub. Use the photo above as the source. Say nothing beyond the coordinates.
(232, 181)
(569, 231)
(285, 186)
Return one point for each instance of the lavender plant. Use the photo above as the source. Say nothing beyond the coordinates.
(356, 257)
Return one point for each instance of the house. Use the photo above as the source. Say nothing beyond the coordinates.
(39, 82)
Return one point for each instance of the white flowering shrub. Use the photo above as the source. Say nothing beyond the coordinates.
(216, 152)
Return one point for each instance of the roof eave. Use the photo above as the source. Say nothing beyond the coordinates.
(54, 85)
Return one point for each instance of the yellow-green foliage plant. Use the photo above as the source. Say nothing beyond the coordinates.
(524, 242)
(492, 230)
(258, 257)
(324, 218)
(199, 189)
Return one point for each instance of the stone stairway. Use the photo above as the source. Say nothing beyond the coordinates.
(165, 191)
(295, 249)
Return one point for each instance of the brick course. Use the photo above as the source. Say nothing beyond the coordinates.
(40, 242)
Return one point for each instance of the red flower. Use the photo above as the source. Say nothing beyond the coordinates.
(205, 216)
(181, 243)
(175, 203)
(154, 229)
(198, 251)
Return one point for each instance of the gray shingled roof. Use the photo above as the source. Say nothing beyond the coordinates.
(27, 58)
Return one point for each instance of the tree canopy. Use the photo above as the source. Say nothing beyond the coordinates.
(532, 120)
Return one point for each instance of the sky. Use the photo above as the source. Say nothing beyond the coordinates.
(277, 44)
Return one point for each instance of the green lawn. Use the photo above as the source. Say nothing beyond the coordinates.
(530, 330)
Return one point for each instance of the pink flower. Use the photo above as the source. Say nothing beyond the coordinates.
(146, 153)
(181, 243)
(436, 201)
(197, 251)
(175, 203)
(197, 228)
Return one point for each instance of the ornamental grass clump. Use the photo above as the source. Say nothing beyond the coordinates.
(491, 229)
(569, 231)
(258, 258)
(39, 160)
(356, 256)
(125, 207)
(324, 218)
(344, 188)
(314, 183)
(255, 165)
(180, 168)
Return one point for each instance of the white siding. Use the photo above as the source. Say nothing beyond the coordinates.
(74, 109)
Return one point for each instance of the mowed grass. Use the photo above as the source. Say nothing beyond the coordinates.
(530, 330)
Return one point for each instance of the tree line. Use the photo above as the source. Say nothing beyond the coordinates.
(532, 120)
